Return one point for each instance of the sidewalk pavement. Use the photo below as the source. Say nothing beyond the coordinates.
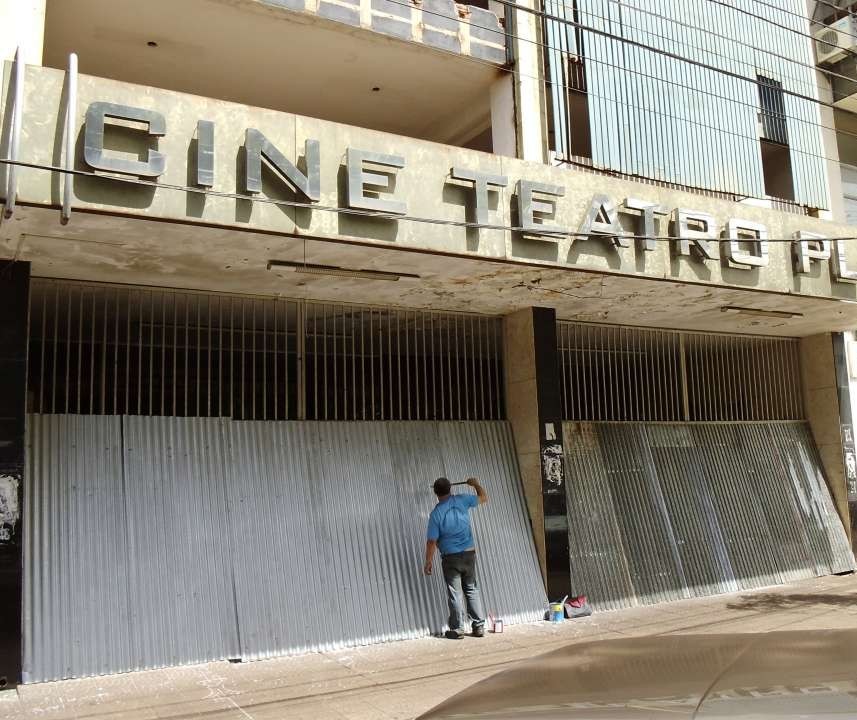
(404, 679)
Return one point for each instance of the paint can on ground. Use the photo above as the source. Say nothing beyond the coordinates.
(498, 625)
(557, 612)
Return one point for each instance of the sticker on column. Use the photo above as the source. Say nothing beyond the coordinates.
(9, 509)
(552, 467)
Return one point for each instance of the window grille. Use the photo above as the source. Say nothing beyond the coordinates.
(105, 349)
(611, 373)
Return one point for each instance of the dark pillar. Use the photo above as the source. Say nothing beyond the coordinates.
(14, 321)
(558, 573)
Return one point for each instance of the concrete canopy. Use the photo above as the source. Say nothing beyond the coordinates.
(111, 248)
(171, 232)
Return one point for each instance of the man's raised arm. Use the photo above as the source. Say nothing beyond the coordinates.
(480, 491)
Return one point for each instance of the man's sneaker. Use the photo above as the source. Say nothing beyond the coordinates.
(478, 631)
(453, 635)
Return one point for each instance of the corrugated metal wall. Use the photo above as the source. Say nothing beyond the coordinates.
(674, 120)
(664, 511)
(159, 541)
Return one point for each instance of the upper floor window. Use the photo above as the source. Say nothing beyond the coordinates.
(773, 110)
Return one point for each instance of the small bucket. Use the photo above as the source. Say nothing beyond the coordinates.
(557, 612)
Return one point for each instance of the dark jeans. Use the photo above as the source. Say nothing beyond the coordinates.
(459, 573)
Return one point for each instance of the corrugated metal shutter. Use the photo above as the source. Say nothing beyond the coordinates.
(160, 541)
(661, 511)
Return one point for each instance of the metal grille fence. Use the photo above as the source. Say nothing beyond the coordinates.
(103, 349)
(614, 373)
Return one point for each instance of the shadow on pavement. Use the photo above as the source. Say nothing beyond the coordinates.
(777, 601)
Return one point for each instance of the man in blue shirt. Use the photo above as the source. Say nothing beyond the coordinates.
(449, 530)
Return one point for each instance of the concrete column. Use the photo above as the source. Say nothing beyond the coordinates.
(525, 38)
(845, 360)
(23, 23)
(830, 143)
(827, 121)
(522, 409)
(534, 410)
(14, 309)
(822, 403)
(503, 127)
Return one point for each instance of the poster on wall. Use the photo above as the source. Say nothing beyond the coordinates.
(553, 470)
(850, 461)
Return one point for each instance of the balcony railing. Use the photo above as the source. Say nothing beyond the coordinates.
(442, 24)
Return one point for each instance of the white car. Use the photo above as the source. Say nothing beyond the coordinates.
(770, 676)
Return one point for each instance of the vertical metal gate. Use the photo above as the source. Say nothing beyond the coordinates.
(103, 349)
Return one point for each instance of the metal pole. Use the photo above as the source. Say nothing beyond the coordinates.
(401, 415)
(15, 136)
(186, 347)
(300, 358)
(140, 357)
(499, 344)
(408, 366)
(276, 359)
(127, 405)
(70, 118)
(116, 352)
(175, 353)
(337, 311)
(208, 374)
(264, 363)
(151, 351)
(104, 361)
(68, 321)
(92, 356)
(42, 352)
(382, 403)
(564, 358)
(243, 355)
(324, 392)
(253, 357)
(391, 414)
(372, 363)
(433, 370)
(79, 351)
(220, 356)
(683, 366)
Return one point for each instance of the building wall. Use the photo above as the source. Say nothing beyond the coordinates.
(671, 119)
(23, 23)
(821, 400)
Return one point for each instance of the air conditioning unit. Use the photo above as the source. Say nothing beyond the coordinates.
(834, 42)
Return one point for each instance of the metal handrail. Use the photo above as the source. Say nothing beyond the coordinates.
(70, 117)
(15, 136)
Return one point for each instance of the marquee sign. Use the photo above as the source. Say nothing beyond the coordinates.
(739, 243)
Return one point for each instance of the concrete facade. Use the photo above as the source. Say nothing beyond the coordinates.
(421, 189)
(518, 236)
